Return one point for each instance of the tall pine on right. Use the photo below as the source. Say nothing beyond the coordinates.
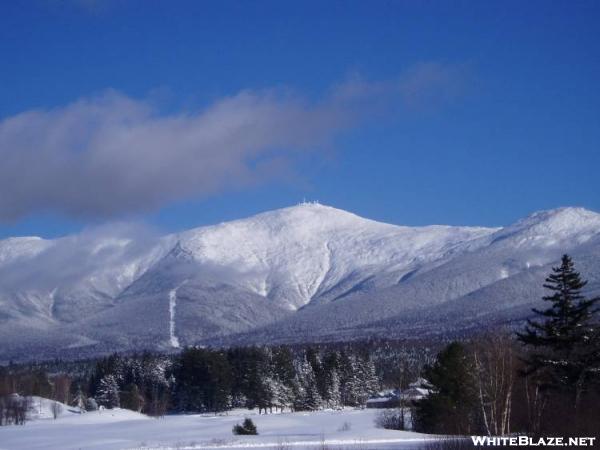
(564, 341)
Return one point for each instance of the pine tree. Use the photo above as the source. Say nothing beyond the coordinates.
(307, 394)
(155, 385)
(564, 344)
(349, 380)
(203, 381)
(332, 384)
(449, 409)
(108, 392)
(282, 395)
(79, 400)
(370, 382)
(284, 374)
(131, 398)
(319, 370)
(313, 400)
(334, 397)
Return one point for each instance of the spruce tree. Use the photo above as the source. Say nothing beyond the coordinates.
(334, 398)
(450, 408)
(330, 367)
(79, 400)
(369, 377)
(350, 383)
(131, 398)
(564, 344)
(307, 397)
(108, 392)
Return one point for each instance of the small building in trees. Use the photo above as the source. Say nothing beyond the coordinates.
(417, 390)
(413, 394)
(389, 398)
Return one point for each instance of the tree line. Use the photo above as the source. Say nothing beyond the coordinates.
(211, 380)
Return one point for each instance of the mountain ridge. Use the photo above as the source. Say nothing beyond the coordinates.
(310, 268)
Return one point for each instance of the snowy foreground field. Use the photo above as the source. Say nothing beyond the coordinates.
(124, 429)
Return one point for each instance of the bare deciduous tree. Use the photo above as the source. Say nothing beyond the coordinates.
(56, 409)
(494, 360)
(62, 388)
(13, 409)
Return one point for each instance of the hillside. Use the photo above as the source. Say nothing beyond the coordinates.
(308, 272)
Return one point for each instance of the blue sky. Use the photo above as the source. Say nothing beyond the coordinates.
(473, 113)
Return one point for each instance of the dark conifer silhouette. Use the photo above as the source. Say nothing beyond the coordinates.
(564, 343)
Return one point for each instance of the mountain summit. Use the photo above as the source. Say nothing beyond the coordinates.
(305, 272)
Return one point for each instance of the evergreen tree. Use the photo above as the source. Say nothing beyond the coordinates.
(332, 386)
(564, 343)
(155, 385)
(79, 400)
(307, 395)
(319, 371)
(451, 407)
(249, 367)
(349, 380)
(107, 394)
(334, 397)
(111, 365)
(283, 365)
(131, 398)
(368, 376)
(246, 428)
(203, 381)
(358, 379)
(312, 400)
(284, 373)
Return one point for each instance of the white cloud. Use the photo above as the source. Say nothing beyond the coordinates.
(111, 154)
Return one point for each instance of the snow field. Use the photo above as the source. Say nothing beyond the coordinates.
(124, 429)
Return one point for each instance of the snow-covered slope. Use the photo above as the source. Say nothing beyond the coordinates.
(308, 271)
(309, 252)
(41, 408)
(495, 281)
(118, 429)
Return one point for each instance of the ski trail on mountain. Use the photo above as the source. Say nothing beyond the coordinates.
(52, 304)
(173, 339)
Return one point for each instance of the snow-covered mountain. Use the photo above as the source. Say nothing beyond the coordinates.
(304, 272)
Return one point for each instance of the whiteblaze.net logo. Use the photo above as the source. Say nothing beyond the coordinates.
(526, 441)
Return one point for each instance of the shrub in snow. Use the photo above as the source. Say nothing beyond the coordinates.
(247, 427)
(91, 404)
(346, 426)
(391, 419)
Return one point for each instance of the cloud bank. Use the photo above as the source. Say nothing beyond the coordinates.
(108, 155)
(98, 252)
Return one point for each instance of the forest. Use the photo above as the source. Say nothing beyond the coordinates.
(215, 380)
